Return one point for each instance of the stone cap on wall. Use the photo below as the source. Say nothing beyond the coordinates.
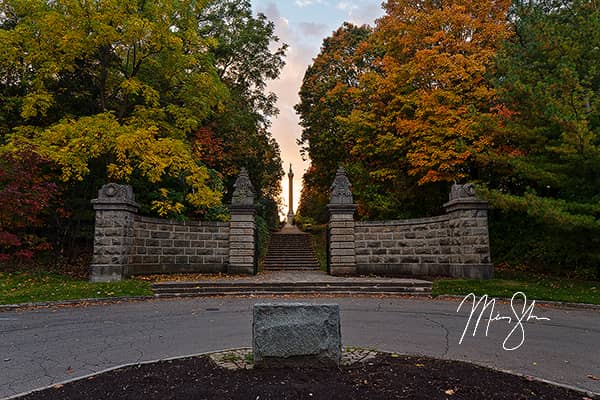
(341, 208)
(113, 196)
(464, 197)
(411, 221)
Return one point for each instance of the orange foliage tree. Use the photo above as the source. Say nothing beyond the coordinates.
(428, 106)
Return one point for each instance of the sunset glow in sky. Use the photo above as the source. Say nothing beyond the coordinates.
(303, 24)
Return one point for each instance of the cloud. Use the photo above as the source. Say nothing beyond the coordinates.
(365, 14)
(346, 6)
(304, 40)
(305, 3)
(313, 29)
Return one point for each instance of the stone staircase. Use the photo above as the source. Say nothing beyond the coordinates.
(290, 250)
(291, 268)
(341, 287)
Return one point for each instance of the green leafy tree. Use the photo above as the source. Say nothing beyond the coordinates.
(117, 85)
(247, 55)
(126, 91)
(545, 172)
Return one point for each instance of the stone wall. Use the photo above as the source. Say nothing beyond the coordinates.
(455, 244)
(127, 244)
(403, 247)
(168, 246)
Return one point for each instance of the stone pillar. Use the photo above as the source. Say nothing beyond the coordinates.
(290, 216)
(342, 256)
(468, 233)
(242, 232)
(114, 232)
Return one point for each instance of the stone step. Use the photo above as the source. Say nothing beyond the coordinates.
(299, 246)
(338, 293)
(313, 264)
(290, 246)
(292, 268)
(402, 284)
(290, 289)
(302, 252)
(291, 261)
(290, 235)
(290, 252)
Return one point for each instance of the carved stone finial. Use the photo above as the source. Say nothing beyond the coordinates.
(116, 192)
(466, 191)
(341, 192)
(113, 196)
(243, 194)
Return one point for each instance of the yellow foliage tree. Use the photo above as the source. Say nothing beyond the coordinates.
(427, 105)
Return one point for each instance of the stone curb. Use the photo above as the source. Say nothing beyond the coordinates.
(72, 302)
(548, 303)
(592, 395)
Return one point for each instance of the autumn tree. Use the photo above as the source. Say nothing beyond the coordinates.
(27, 196)
(422, 109)
(429, 112)
(328, 92)
(247, 55)
(113, 85)
(127, 91)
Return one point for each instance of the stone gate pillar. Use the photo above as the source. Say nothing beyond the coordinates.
(342, 256)
(242, 232)
(468, 234)
(114, 232)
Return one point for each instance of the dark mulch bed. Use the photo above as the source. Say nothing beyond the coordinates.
(384, 377)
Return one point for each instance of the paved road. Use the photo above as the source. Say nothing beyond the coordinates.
(44, 346)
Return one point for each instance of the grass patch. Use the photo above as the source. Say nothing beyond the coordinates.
(536, 287)
(24, 287)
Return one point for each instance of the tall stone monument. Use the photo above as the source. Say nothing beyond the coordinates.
(290, 216)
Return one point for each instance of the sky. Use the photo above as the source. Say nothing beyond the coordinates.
(303, 24)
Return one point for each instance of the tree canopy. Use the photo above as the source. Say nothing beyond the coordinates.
(504, 95)
(169, 96)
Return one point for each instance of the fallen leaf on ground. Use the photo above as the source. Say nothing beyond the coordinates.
(58, 386)
(450, 392)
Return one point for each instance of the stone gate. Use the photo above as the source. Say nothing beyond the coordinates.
(127, 244)
(455, 244)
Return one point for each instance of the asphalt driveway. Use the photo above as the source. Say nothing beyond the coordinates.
(41, 347)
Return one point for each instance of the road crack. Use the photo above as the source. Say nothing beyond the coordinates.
(447, 334)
